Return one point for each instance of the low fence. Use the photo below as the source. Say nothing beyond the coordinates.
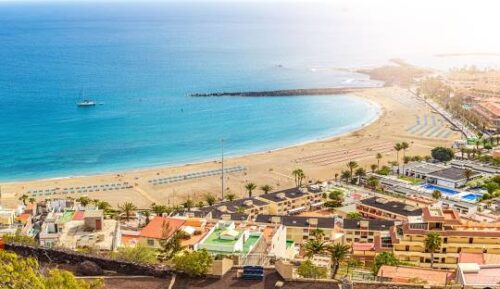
(71, 257)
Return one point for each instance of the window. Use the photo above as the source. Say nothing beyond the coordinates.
(151, 242)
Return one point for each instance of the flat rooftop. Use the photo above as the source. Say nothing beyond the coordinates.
(475, 274)
(298, 221)
(292, 193)
(453, 173)
(75, 234)
(392, 206)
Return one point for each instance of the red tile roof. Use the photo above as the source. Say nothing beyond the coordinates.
(78, 216)
(405, 274)
(155, 227)
(24, 217)
(479, 258)
(492, 107)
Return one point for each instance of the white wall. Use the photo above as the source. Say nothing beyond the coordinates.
(278, 243)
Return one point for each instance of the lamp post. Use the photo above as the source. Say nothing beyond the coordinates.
(222, 165)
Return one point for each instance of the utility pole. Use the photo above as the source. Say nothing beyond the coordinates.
(222, 165)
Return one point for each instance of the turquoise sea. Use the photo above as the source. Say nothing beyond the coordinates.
(141, 62)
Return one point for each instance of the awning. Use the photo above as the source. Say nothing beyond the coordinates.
(317, 204)
(363, 246)
(296, 210)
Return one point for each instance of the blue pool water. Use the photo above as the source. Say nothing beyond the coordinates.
(447, 191)
(471, 197)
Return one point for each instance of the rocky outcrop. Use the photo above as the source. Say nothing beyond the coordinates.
(88, 268)
(62, 256)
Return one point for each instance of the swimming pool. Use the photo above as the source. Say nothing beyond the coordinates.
(472, 197)
(447, 191)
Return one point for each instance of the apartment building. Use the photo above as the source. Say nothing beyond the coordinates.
(375, 232)
(299, 228)
(384, 209)
(248, 206)
(489, 113)
(292, 201)
(457, 236)
(158, 229)
(367, 237)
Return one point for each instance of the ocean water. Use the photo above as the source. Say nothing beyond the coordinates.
(142, 60)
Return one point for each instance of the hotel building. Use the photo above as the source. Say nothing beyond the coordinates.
(292, 201)
(457, 236)
(384, 209)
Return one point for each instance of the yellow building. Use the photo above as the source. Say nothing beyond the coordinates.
(292, 201)
(457, 236)
(299, 228)
(7, 217)
(384, 209)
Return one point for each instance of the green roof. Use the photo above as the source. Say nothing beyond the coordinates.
(251, 241)
(213, 239)
(289, 243)
(67, 216)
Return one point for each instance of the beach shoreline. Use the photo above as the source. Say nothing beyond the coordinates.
(263, 167)
(139, 169)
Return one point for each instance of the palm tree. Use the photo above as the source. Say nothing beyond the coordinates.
(398, 147)
(230, 197)
(318, 234)
(315, 247)
(147, 215)
(338, 252)
(406, 160)
(351, 165)
(436, 194)
(373, 167)
(250, 187)
(240, 210)
(103, 205)
(31, 200)
(266, 188)
(200, 204)
(404, 147)
(127, 208)
(336, 176)
(467, 174)
(299, 176)
(432, 243)
(378, 156)
(188, 204)
(372, 182)
(23, 198)
(84, 201)
(158, 209)
(360, 172)
(210, 199)
(345, 175)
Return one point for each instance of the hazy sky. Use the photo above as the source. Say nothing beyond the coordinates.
(460, 25)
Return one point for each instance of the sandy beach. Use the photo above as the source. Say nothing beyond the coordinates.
(402, 118)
